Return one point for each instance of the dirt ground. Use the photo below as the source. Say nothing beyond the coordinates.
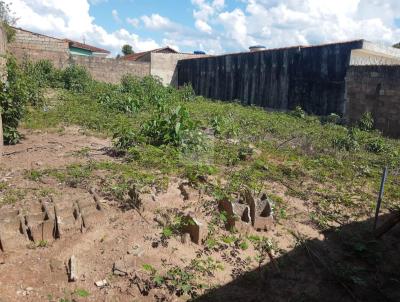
(38, 272)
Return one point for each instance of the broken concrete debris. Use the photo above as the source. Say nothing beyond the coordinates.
(101, 283)
(247, 210)
(72, 269)
(185, 238)
(13, 233)
(120, 268)
(136, 251)
(195, 228)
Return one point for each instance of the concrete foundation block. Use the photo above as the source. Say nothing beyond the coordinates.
(43, 231)
(11, 236)
(91, 217)
(263, 223)
(72, 269)
(196, 229)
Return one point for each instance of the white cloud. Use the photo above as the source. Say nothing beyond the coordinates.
(157, 22)
(115, 15)
(71, 19)
(235, 24)
(95, 2)
(216, 29)
(133, 21)
(289, 22)
(205, 10)
(203, 26)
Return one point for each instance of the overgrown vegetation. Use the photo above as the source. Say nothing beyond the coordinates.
(161, 129)
(24, 88)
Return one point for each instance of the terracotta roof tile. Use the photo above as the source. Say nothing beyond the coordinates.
(85, 46)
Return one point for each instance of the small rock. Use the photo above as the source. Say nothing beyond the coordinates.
(185, 238)
(101, 283)
(137, 250)
(29, 289)
(119, 269)
(233, 141)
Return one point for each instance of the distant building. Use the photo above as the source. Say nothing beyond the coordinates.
(145, 56)
(82, 49)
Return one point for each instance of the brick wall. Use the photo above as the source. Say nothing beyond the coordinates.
(110, 70)
(3, 77)
(32, 46)
(374, 89)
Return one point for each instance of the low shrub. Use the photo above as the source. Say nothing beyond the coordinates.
(76, 78)
(298, 112)
(366, 123)
(124, 139)
(172, 126)
(376, 145)
(19, 90)
(347, 142)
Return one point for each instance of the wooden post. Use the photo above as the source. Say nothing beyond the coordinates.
(380, 197)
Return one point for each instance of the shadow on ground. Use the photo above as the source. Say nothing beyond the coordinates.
(349, 265)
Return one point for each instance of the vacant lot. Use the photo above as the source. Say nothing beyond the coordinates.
(154, 157)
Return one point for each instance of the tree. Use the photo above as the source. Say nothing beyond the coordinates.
(127, 49)
(397, 45)
(7, 19)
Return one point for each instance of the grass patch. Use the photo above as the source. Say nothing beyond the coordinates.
(163, 132)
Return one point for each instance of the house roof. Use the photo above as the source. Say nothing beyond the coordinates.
(136, 56)
(85, 46)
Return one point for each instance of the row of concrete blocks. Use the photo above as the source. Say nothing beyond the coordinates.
(52, 222)
(251, 213)
(248, 212)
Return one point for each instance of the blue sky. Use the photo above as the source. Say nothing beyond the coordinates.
(215, 26)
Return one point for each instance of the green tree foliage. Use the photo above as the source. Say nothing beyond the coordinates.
(7, 19)
(397, 45)
(76, 78)
(19, 90)
(24, 88)
(127, 49)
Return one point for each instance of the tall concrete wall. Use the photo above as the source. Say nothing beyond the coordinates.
(375, 89)
(164, 66)
(34, 47)
(310, 77)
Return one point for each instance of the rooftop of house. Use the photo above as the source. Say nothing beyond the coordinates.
(138, 55)
(86, 46)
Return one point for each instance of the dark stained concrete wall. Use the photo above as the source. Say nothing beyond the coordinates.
(310, 77)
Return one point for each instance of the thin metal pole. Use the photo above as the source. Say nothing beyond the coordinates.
(380, 197)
